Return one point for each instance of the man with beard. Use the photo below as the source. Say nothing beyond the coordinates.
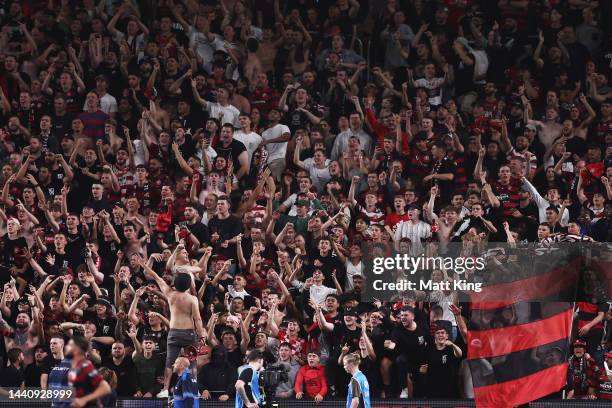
(12, 374)
(582, 373)
(490, 101)
(409, 341)
(345, 334)
(124, 368)
(34, 370)
(194, 226)
(89, 386)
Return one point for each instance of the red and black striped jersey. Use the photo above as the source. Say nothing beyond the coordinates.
(508, 196)
(85, 378)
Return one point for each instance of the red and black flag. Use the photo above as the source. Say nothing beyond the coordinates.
(520, 326)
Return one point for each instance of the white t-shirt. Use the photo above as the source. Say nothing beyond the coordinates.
(276, 151)
(414, 232)
(319, 293)
(230, 113)
(108, 104)
(352, 270)
(204, 48)
(290, 203)
(319, 177)
(434, 89)
(251, 141)
(139, 153)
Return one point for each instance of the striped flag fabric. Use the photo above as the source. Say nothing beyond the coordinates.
(520, 327)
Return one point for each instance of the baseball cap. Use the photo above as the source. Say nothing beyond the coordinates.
(350, 311)
(580, 343)
(104, 302)
(101, 77)
(531, 127)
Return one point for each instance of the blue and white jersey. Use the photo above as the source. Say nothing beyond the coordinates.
(359, 388)
(58, 380)
(250, 377)
(186, 391)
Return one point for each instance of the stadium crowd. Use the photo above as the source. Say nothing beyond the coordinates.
(256, 154)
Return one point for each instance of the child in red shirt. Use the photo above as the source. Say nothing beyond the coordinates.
(311, 379)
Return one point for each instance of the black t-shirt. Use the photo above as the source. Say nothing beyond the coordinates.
(329, 263)
(14, 250)
(62, 125)
(54, 188)
(81, 188)
(227, 229)
(126, 376)
(445, 166)
(32, 375)
(247, 376)
(75, 248)
(576, 145)
(411, 344)
(200, 231)
(441, 377)
(188, 147)
(236, 358)
(11, 377)
(464, 74)
(104, 327)
(231, 152)
(342, 335)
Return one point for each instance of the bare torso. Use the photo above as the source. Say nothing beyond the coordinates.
(181, 306)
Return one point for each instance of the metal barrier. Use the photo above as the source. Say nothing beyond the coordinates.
(378, 403)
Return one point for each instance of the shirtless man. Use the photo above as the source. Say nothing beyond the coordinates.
(25, 335)
(185, 320)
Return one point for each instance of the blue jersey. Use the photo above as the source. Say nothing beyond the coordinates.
(359, 388)
(250, 377)
(58, 380)
(186, 391)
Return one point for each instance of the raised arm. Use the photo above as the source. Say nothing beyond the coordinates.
(196, 95)
(151, 274)
(181, 160)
